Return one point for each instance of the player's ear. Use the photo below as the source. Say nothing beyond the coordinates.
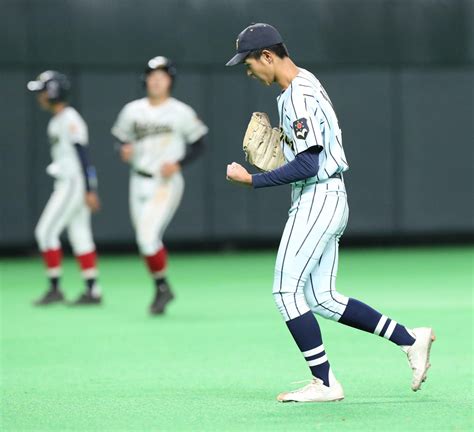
(267, 56)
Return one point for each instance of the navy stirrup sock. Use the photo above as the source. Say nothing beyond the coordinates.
(307, 335)
(363, 317)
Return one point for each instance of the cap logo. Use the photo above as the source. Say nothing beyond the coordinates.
(237, 44)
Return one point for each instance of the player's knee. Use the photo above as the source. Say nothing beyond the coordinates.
(81, 240)
(330, 305)
(82, 246)
(148, 246)
(41, 236)
(279, 301)
(290, 304)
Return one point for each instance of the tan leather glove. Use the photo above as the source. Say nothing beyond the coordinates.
(262, 143)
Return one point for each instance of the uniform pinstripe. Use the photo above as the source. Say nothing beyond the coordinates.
(306, 265)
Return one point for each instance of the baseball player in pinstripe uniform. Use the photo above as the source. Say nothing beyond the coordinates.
(74, 195)
(158, 135)
(307, 261)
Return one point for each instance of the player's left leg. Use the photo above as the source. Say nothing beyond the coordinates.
(80, 236)
(153, 220)
(53, 220)
(324, 300)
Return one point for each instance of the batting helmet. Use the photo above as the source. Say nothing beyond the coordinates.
(160, 63)
(55, 84)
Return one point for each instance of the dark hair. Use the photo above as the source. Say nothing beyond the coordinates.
(279, 50)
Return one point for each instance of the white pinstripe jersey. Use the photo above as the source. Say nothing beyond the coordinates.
(307, 119)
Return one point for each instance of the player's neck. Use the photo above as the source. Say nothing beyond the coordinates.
(286, 73)
(57, 108)
(155, 101)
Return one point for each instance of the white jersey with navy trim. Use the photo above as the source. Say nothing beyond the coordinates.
(66, 207)
(158, 134)
(307, 119)
(65, 129)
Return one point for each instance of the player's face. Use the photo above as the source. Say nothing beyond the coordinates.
(260, 69)
(43, 102)
(158, 84)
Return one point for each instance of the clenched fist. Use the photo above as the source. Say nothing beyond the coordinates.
(238, 174)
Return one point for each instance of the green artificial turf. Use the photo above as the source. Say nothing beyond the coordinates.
(219, 357)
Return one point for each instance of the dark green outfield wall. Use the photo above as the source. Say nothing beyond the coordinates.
(400, 74)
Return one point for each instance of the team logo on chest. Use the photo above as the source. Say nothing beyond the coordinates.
(143, 130)
(300, 127)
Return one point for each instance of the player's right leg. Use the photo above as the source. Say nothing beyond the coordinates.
(297, 256)
(80, 236)
(153, 204)
(52, 222)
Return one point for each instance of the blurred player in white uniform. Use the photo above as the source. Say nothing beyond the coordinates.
(74, 195)
(158, 135)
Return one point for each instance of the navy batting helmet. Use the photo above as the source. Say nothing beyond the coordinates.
(55, 84)
(160, 63)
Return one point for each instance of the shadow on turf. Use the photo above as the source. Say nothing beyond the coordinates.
(388, 402)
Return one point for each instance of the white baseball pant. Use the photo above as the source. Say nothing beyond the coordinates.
(153, 203)
(66, 208)
(307, 260)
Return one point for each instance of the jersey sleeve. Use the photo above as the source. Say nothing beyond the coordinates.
(302, 113)
(191, 126)
(77, 130)
(123, 128)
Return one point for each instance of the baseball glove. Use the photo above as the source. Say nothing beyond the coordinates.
(262, 143)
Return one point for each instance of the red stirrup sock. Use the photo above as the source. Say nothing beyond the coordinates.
(88, 264)
(157, 263)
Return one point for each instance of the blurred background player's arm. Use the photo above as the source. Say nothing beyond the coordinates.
(126, 150)
(193, 131)
(90, 177)
(122, 130)
(78, 135)
(193, 151)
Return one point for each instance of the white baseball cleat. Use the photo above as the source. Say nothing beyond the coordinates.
(419, 355)
(315, 391)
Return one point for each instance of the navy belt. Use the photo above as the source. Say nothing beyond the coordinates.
(302, 183)
(143, 173)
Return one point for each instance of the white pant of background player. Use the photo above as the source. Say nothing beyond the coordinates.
(307, 261)
(153, 203)
(66, 208)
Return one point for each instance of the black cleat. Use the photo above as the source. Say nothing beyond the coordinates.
(162, 297)
(51, 296)
(87, 299)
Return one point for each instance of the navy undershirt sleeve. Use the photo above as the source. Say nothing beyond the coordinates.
(305, 165)
(88, 170)
(193, 151)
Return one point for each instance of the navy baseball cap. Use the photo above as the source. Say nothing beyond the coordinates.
(254, 37)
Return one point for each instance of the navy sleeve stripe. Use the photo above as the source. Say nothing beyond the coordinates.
(304, 166)
(88, 170)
